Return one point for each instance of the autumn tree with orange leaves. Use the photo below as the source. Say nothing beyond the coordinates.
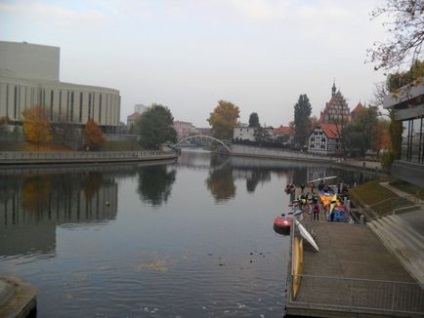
(36, 126)
(93, 136)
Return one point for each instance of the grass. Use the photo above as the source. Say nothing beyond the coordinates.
(381, 200)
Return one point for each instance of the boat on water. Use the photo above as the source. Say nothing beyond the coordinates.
(282, 224)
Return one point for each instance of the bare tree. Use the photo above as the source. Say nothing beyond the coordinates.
(406, 25)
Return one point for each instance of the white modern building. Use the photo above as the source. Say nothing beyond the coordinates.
(30, 76)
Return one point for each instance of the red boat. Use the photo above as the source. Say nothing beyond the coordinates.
(282, 224)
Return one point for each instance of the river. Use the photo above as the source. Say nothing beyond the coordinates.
(191, 238)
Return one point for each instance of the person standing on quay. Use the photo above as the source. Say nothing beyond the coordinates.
(316, 211)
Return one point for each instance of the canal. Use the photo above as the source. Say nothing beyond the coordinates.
(191, 238)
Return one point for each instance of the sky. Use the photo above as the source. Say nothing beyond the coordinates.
(260, 55)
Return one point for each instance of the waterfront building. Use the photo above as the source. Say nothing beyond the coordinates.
(336, 109)
(30, 76)
(408, 106)
(244, 133)
(324, 139)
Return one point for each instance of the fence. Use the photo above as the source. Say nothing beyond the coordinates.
(356, 295)
(14, 158)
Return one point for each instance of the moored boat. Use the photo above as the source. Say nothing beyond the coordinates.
(282, 224)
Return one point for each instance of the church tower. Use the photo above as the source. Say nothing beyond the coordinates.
(336, 110)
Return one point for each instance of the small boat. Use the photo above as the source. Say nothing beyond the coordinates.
(282, 224)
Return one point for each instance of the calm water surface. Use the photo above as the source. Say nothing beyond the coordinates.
(191, 238)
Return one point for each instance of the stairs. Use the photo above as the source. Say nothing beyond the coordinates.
(403, 241)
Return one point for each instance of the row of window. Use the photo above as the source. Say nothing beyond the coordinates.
(413, 140)
(61, 105)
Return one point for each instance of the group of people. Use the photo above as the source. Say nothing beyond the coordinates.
(306, 203)
(310, 203)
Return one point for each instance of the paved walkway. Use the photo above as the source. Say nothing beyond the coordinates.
(364, 270)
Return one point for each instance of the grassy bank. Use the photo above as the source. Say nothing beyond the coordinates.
(380, 199)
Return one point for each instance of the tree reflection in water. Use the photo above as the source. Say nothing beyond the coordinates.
(155, 184)
(220, 181)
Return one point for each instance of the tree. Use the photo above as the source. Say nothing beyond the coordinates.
(302, 124)
(406, 30)
(223, 120)
(359, 134)
(36, 126)
(254, 120)
(93, 135)
(155, 127)
(381, 137)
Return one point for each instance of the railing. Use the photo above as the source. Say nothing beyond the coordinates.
(12, 157)
(356, 295)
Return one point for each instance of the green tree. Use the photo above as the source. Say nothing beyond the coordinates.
(359, 135)
(155, 127)
(93, 135)
(223, 120)
(406, 29)
(302, 121)
(254, 120)
(36, 126)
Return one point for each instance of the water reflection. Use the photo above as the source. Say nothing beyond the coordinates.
(92, 241)
(220, 181)
(155, 184)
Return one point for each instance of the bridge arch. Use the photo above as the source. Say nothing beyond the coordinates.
(206, 137)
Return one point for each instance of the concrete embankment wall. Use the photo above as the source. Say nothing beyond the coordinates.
(39, 158)
(269, 153)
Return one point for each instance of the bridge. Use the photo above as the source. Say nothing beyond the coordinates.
(202, 138)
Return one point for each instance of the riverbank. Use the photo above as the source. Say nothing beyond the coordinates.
(16, 158)
(280, 154)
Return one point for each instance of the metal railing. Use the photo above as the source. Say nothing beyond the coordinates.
(12, 157)
(361, 295)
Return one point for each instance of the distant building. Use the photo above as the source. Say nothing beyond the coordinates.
(324, 140)
(408, 106)
(283, 134)
(244, 133)
(354, 115)
(131, 119)
(29, 76)
(336, 109)
(140, 108)
(184, 129)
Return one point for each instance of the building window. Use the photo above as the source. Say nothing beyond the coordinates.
(413, 140)
(60, 106)
(15, 102)
(51, 104)
(100, 107)
(71, 113)
(80, 107)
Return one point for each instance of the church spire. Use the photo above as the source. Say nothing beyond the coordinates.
(333, 89)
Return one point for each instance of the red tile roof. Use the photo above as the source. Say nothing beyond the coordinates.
(283, 131)
(358, 108)
(330, 130)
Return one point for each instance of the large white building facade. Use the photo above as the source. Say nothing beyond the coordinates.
(29, 76)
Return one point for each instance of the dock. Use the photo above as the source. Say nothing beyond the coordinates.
(18, 298)
(374, 269)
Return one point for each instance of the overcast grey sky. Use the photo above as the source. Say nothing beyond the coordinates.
(189, 54)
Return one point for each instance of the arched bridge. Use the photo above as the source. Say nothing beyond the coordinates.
(204, 137)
